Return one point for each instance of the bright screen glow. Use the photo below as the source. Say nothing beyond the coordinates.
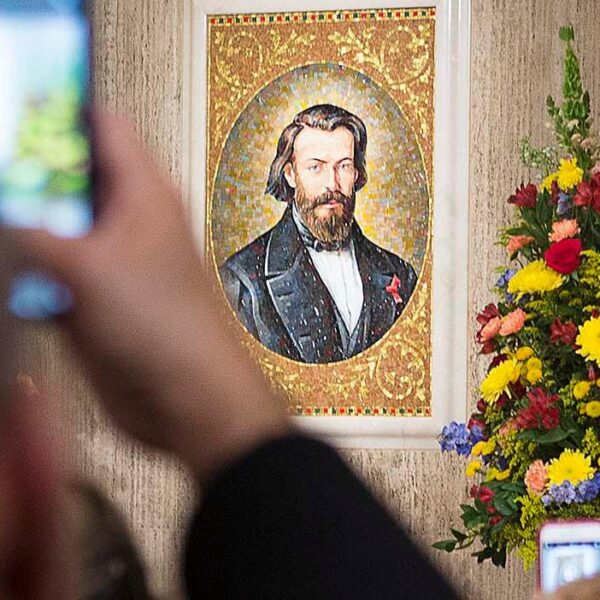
(566, 562)
(44, 149)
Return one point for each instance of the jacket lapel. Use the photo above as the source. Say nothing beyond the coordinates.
(300, 297)
(379, 308)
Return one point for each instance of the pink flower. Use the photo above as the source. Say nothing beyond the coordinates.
(561, 230)
(490, 330)
(535, 478)
(595, 169)
(513, 322)
(517, 242)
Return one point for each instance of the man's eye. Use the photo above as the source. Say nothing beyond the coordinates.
(346, 167)
(314, 168)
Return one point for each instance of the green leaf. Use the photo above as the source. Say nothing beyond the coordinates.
(446, 545)
(567, 34)
(459, 535)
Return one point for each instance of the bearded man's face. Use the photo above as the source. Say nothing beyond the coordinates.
(323, 176)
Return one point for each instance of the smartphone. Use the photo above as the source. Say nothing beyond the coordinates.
(45, 140)
(568, 551)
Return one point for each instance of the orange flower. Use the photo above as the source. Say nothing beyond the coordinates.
(561, 230)
(513, 322)
(490, 330)
(517, 242)
(535, 478)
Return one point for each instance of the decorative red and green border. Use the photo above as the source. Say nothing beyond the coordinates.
(359, 411)
(323, 16)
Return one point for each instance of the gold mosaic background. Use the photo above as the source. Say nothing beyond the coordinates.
(395, 51)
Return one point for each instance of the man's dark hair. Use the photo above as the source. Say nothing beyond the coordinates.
(326, 117)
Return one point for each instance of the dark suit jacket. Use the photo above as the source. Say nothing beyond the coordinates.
(274, 288)
(291, 522)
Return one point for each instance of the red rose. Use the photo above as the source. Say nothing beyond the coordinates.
(564, 256)
(485, 494)
(525, 196)
(588, 194)
(495, 520)
(564, 333)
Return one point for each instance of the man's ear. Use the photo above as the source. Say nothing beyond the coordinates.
(290, 175)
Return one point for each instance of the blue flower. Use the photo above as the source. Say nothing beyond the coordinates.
(456, 437)
(589, 490)
(564, 204)
(505, 278)
(565, 493)
(476, 434)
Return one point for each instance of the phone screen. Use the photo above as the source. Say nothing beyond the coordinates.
(45, 151)
(565, 562)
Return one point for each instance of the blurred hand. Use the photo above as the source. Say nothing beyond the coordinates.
(144, 320)
(584, 589)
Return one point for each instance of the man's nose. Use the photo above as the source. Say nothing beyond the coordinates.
(333, 180)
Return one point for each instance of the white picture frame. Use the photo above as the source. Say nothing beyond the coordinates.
(451, 200)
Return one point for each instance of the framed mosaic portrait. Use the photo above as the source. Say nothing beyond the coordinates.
(326, 163)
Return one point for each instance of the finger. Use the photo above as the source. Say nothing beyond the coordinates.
(63, 258)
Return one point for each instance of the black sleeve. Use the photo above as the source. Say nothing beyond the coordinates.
(292, 521)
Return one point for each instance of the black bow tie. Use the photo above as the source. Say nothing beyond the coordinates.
(310, 241)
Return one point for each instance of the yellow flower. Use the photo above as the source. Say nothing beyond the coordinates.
(533, 376)
(589, 340)
(534, 363)
(581, 390)
(473, 467)
(478, 448)
(488, 447)
(524, 353)
(569, 174)
(546, 185)
(535, 278)
(502, 475)
(498, 380)
(571, 465)
(592, 409)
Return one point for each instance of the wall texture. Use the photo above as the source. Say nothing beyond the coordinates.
(515, 63)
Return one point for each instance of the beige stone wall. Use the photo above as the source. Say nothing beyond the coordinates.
(515, 63)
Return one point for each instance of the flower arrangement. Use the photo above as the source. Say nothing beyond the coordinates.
(533, 441)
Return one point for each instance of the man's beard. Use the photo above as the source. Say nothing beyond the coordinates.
(335, 227)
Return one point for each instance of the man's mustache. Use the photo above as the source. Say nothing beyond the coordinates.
(328, 197)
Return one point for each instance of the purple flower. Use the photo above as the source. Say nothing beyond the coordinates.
(476, 434)
(588, 490)
(505, 278)
(564, 204)
(456, 437)
(564, 493)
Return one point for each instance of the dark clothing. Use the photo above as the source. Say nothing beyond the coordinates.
(273, 286)
(291, 521)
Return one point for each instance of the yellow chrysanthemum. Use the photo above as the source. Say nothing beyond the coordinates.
(524, 353)
(581, 390)
(473, 467)
(592, 409)
(572, 466)
(535, 278)
(488, 447)
(534, 375)
(546, 185)
(589, 340)
(502, 475)
(534, 363)
(569, 174)
(498, 380)
(478, 448)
